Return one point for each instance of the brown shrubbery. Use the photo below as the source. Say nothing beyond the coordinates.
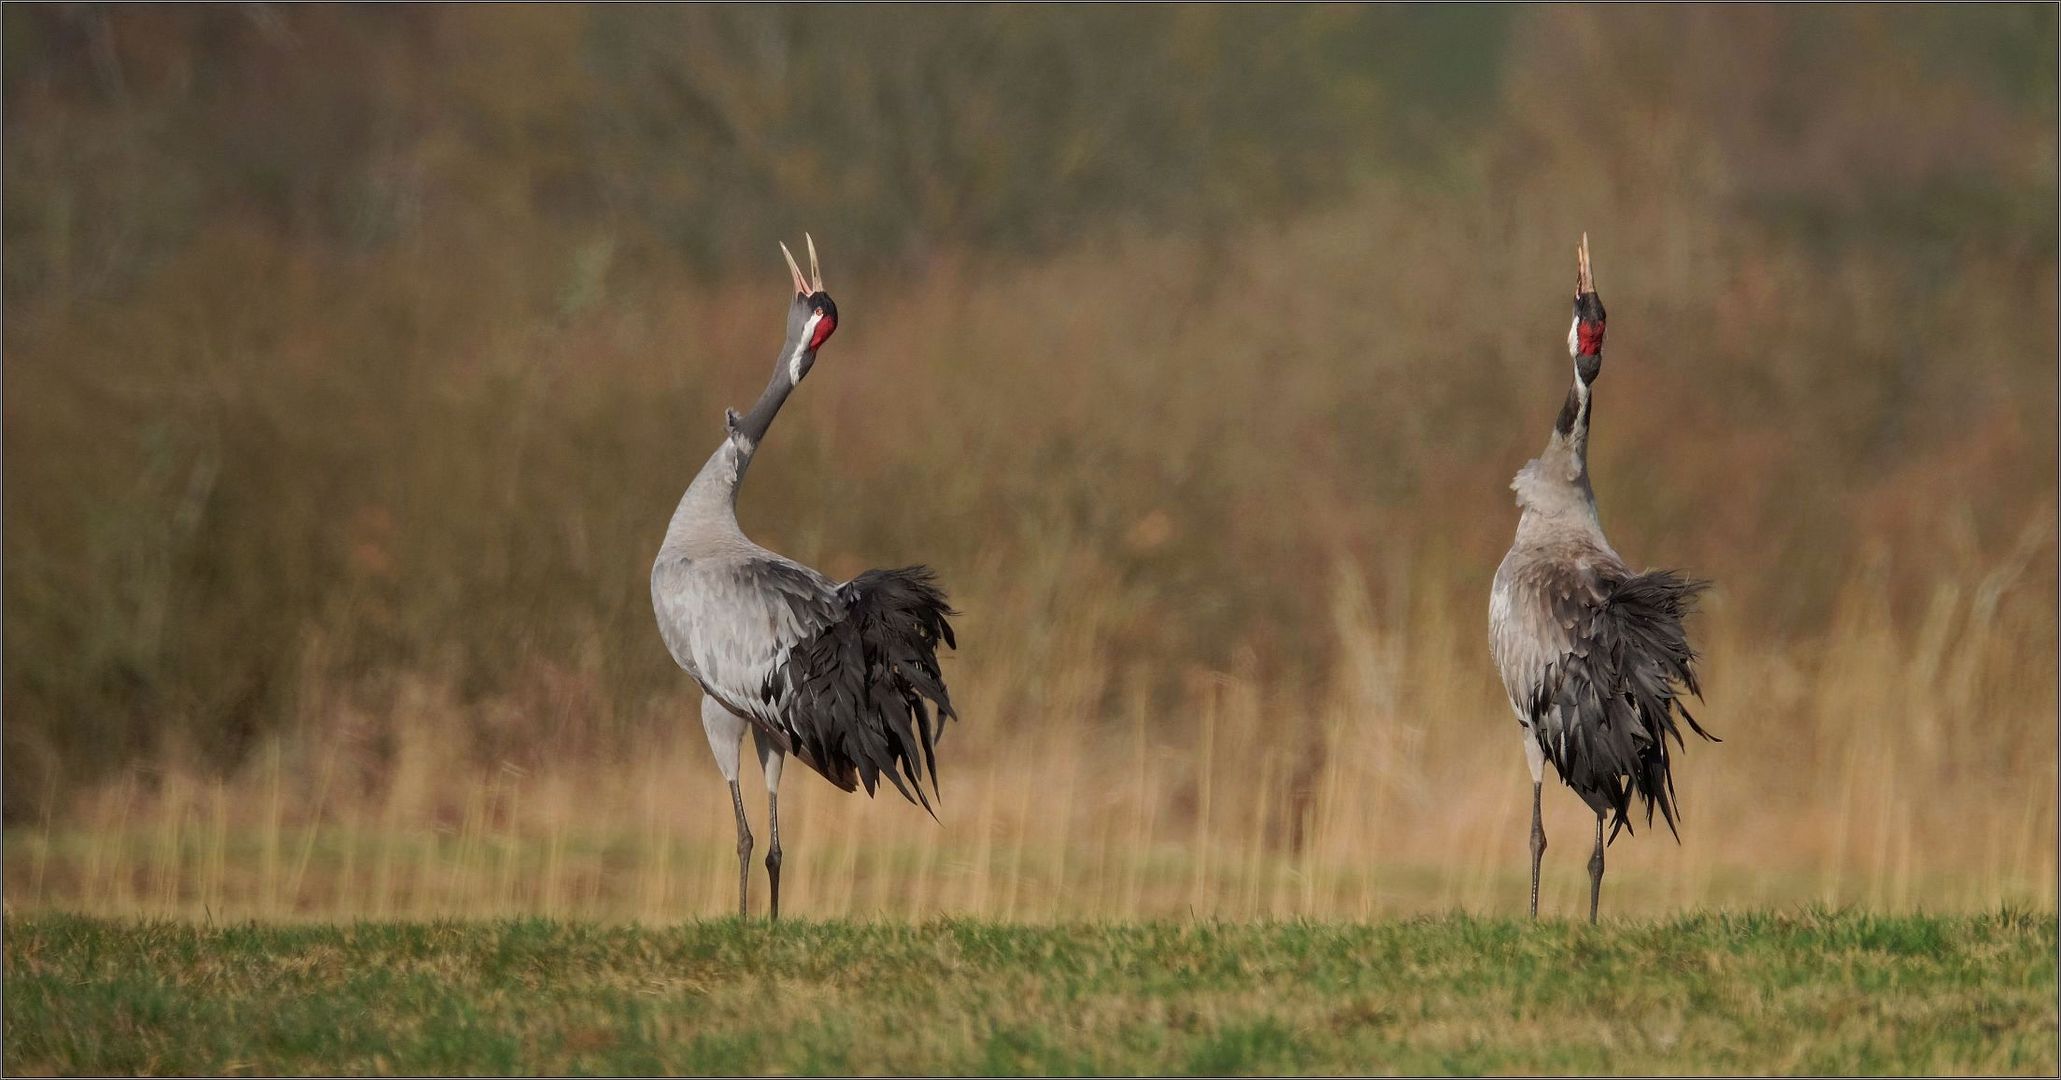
(354, 362)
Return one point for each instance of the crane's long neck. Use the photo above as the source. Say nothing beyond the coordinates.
(753, 424)
(1553, 488)
(745, 432)
(1571, 427)
(708, 511)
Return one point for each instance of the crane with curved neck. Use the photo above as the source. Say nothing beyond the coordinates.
(844, 676)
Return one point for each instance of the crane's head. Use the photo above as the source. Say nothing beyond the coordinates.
(1585, 333)
(811, 317)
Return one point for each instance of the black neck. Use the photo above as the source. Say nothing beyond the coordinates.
(1573, 422)
(1574, 413)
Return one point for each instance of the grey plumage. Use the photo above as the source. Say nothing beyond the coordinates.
(1593, 655)
(844, 676)
(730, 618)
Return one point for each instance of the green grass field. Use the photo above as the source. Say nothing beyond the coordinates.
(1810, 992)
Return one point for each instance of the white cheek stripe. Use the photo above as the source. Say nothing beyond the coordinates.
(1574, 341)
(808, 334)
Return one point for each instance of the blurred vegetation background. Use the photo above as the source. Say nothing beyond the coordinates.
(355, 358)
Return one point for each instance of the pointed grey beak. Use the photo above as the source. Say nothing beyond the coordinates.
(801, 285)
(804, 286)
(1584, 282)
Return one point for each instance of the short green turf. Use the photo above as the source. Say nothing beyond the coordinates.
(1809, 992)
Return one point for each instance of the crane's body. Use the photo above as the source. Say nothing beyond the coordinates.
(845, 676)
(1593, 655)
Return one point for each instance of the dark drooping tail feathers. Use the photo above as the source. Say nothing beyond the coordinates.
(1604, 715)
(864, 685)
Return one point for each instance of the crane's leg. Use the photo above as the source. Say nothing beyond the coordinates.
(726, 737)
(1596, 870)
(1536, 759)
(743, 853)
(1538, 845)
(771, 758)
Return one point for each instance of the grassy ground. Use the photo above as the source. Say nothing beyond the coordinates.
(1811, 992)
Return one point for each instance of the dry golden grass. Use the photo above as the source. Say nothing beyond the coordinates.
(1397, 787)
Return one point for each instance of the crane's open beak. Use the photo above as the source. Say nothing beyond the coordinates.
(1584, 282)
(814, 282)
(801, 285)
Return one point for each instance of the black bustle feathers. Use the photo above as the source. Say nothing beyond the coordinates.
(1604, 715)
(865, 685)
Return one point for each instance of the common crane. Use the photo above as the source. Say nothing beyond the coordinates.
(843, 676)
(1593, 656)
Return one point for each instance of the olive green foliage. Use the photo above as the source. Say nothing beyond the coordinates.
(281, 285)
(315, 316)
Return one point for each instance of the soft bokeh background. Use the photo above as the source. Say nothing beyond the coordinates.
(354, 359)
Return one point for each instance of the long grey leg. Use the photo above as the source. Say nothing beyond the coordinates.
(1596, 871)
(1535, 760)
(743, 853)
(1538, 847)
(771, 759)
(725, 736)
(773, 854)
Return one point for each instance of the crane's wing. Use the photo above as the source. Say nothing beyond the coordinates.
(1534, 614)
(844, 677)
(1596, 659)
(732, 621)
